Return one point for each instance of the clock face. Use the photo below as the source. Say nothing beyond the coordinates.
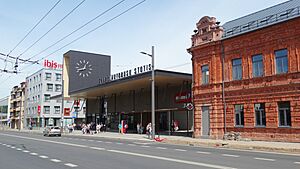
(83, 68)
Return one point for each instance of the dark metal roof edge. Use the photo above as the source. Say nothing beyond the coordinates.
(258, 28)
(68, 52)
(134, 77)
(256, 12)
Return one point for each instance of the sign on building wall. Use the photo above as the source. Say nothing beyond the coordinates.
(52, 64)
(67, 111)
(183, 97)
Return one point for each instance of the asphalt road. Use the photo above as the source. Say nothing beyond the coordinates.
(34, 151)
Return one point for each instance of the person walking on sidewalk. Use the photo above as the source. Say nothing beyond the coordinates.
(149, 130)
(138, 128)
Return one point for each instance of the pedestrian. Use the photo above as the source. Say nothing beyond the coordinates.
(138, 128)
(149, 129)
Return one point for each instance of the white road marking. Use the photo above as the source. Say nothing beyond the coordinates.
(172, 160)
(48, 141)
(264, 159)
(141, 143)
(162, 148)
(44, 157)
(203, 152)
(108, 142)
(120, 143)
(34, 154)
(55, 160)
(179, 150)
(97, 148)
(13, 147)
(8, 145)
(297, 162)
(230, 155)
(145, 146)
(91, 140)
(71, 165)
(128, 153)
(26, 151)
(18, 149)
(99, 141)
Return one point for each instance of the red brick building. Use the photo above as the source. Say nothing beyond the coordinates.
(247, 75)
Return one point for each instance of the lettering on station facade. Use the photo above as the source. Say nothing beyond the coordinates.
(126, 73)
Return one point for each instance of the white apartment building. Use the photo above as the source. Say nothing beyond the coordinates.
(40, 111)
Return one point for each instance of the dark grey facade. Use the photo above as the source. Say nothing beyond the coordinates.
(85, 69)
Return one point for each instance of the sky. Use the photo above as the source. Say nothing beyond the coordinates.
(165, 24)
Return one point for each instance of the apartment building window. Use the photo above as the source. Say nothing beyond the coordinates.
(49, 87)
(281, 59)
(57, 109)
(237, 69)
(46, 109)
(284, 114)
(257, 66)
(47, 97)
(48, 76)
(260, 114)
(58, 88)
(239, 115)
(205, 74)
(58, 77)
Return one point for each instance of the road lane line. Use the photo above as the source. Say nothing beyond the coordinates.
(179, 150)
(91, 140)
(99, 141)
(264, 159)
(131, 144)
(26, 151)
(55, 160)
(97, 148)
(44, 157)
(203, 152)
(48, 141)
(34, 154)
(297, 162)
(120, 143)
(128, 153)
(13, 147)
(161, 148)
(145, 146)
(230, 155)
(19, 149)
(108, 142)
(71, 165)
(172, 160)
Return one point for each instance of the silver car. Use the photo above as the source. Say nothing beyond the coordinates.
(52, 131)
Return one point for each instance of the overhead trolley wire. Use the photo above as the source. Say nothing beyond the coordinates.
(134, 6)
(51, 29)
(35, 26)
(79, 28)
(115, 17)
(31, 31)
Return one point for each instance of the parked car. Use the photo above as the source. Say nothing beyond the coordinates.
(52, 131)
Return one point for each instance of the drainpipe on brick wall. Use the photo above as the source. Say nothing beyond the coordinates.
(223, 84)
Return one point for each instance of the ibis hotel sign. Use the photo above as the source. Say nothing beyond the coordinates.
(52, 64)
(126, 73)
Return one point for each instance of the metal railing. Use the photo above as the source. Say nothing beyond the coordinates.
(262, 22)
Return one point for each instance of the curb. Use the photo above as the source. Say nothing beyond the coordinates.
(233, 145)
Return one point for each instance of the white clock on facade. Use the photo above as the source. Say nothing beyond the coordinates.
(83, 68)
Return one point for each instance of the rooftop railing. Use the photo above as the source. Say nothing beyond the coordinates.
(268, 20)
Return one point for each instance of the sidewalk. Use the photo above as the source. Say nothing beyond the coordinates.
(282, 147)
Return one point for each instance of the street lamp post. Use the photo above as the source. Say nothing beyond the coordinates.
(152, 93)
